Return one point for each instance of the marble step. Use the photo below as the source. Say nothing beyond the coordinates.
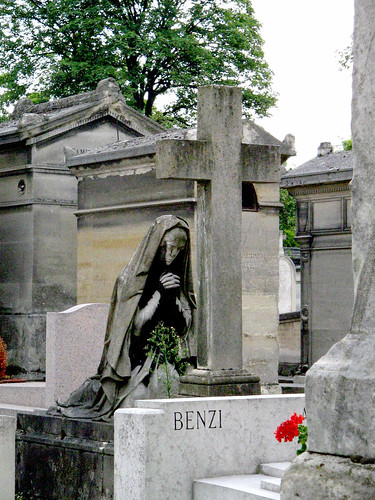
(31, 394)
(233, 488)
(271, 484)
(274, 469)
(265, 485)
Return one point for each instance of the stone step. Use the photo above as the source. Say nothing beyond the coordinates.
(260, 486)
(233, 488)
(271, 484)
(274, 469)
(23, 394)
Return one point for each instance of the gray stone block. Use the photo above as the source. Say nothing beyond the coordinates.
(325, 477)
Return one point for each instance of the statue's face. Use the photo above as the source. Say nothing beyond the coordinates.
(171, 245)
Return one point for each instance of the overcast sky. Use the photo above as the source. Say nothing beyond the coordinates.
(302, 38)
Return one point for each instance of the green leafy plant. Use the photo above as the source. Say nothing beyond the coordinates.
(347, 144)
(302, 438)
(288, 218)
(164, 347)
(292, 428)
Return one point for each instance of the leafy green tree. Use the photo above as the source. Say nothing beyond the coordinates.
(53, 48)
(288, 218)
(347, 144)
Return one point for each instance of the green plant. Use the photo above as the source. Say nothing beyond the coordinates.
(288, 218)
(164, 346)
(347, 144)
(302, 438)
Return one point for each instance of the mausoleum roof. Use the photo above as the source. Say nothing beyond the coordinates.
(142, 146)
(30, 120)
(331, 167)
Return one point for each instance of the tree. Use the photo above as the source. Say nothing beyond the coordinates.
(53, 48)
(288, 218)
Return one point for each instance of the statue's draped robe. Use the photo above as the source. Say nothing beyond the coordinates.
(100, 395)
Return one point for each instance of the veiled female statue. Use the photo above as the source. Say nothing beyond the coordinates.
(156, 286)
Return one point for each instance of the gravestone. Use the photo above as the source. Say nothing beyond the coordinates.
(220, 164)
(162, 446)
(340, 387)
(287, 281)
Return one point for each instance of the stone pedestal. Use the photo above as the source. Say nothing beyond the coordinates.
(209, 383)
(60, 458)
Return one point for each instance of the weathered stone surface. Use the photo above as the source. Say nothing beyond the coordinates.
(208, 383)
(340, 387)
(325, 477)
(163, 445)
(61, 459)
(7, 454)
(340, 394)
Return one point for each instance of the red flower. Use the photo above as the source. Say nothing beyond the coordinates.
(3, 358)
(288, 430)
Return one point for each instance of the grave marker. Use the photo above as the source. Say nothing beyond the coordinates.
(220, 163)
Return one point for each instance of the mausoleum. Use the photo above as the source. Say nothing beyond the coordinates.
(321, 188)
(38, 198)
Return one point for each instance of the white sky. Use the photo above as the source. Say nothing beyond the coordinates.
(302, 38)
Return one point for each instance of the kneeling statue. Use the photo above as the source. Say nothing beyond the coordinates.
(155, 287)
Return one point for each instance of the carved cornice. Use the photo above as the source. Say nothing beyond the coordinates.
(329, 188)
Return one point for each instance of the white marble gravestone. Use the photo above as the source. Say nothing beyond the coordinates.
(162, 446)
(287, 281)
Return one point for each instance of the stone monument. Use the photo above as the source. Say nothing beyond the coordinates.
(220, 164)
(340, 387)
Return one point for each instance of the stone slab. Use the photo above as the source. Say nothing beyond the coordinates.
(7, 457)
(71, 335)
(171, 443)
(314, 475)
(207, 383)
(13, 410)
(24, 394)
(61, 459)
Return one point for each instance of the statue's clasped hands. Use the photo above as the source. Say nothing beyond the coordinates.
(169, 281)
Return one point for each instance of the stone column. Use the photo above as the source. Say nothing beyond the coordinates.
(7, 457)
(340, 387)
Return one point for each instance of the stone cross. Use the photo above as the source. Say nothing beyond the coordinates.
(220, 163)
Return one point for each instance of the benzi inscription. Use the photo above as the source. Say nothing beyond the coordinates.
(194, 419)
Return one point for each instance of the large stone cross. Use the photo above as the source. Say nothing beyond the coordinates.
(220, 163)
